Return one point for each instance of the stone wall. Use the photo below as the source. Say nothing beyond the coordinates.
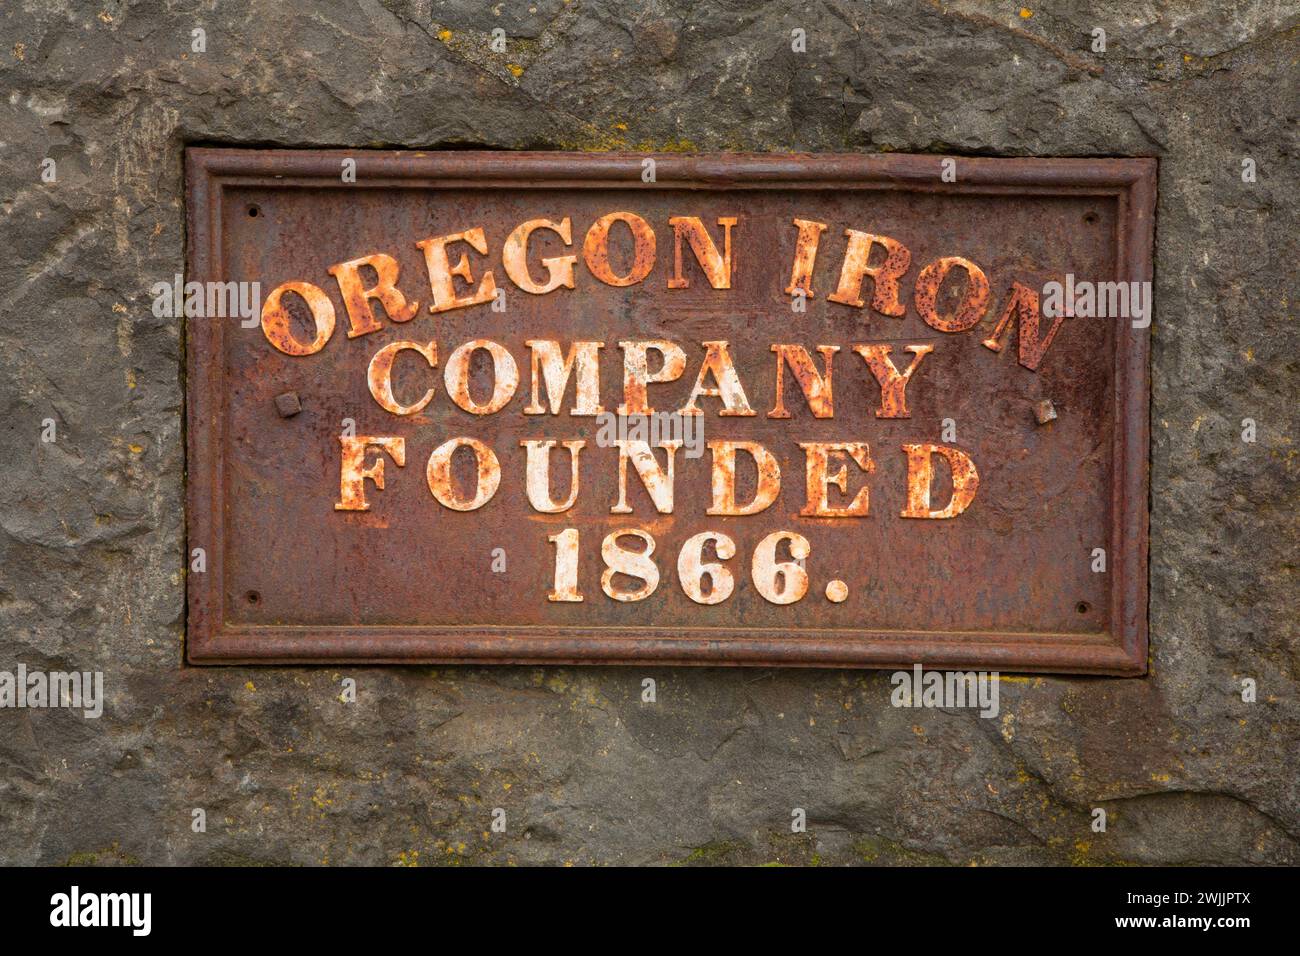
(91, 525)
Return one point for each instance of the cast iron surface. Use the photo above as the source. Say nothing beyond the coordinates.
(1008, 585)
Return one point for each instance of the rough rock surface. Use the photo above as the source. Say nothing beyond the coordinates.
(91, 526)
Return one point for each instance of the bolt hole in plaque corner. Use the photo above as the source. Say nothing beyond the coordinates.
(762, 411)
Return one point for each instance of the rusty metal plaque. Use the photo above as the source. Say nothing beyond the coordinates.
(768, 410)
